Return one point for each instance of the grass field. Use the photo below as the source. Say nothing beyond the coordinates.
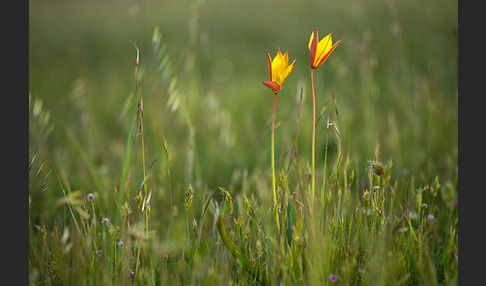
(160, 173)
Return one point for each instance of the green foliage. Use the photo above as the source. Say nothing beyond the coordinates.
(162, 176)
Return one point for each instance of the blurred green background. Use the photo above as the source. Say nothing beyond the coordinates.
(394, 75)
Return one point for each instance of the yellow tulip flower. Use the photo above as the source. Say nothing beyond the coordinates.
(320, 50)
(279, 69)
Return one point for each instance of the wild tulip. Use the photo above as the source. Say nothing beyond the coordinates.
(319, 52)
(278, 69)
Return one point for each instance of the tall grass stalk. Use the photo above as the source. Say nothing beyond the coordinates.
(323, 189)
(130, 101)
(145, 207)
(94, 176)
(167, 157)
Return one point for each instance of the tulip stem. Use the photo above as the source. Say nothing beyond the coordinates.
(313, 178)
(273, 164)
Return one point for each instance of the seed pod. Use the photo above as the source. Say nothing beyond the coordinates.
(91, 197)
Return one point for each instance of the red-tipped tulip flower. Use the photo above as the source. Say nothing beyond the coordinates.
(320, 50)
(279, 69)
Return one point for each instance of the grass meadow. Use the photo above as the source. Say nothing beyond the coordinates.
(150, 155)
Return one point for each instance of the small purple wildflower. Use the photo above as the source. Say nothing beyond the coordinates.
(430, 216)
(455, 202)
(132, 273)
(333, 278)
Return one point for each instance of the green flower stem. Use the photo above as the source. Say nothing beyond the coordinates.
(273, 163)
(313, 178)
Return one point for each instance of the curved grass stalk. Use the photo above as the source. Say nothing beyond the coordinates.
(248, 265)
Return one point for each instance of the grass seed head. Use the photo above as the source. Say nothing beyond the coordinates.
(283, 182)
(194, 228)
(229, 203)
(435, 188)
(228, 199)
(125, 210)
(366, 199)
(377, 168)
(188, 199)
(247, 205)
(138, 198)
(351, 178)
(259, 247)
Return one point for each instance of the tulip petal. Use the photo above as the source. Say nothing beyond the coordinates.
(286, 58)
(272, 85)
(286, 72)
(324, 57)
(320, 50)
(313, 46)
(312, 38)
(278, 65)
(269, 65)
(323, 47)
